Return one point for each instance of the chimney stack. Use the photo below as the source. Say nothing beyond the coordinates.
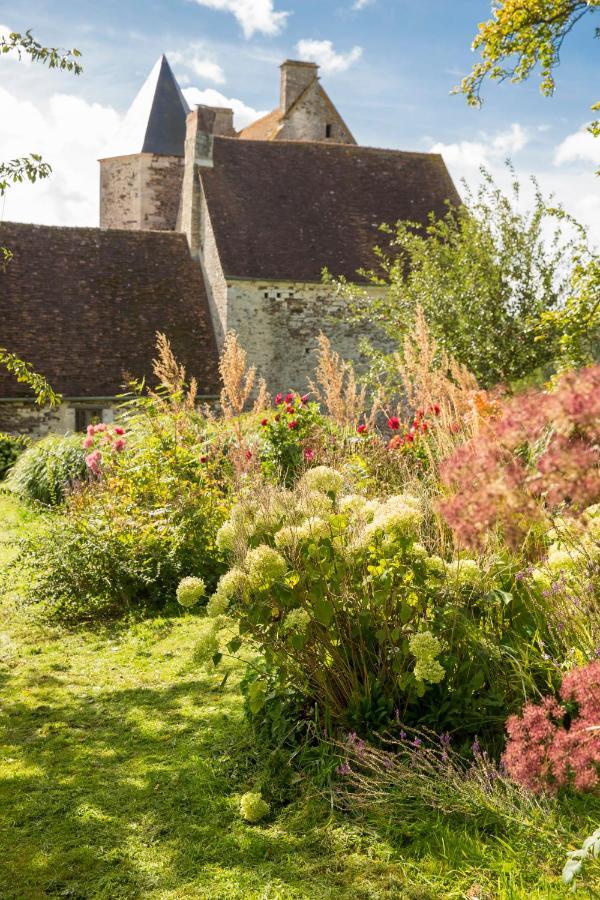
(295, 78)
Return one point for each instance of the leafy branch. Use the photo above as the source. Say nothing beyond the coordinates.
(25, 168)
(53, 57)
(25, 375)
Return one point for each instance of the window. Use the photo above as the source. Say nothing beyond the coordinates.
(328, 130)
(87, 416)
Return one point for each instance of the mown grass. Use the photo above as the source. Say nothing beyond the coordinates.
(122, 766)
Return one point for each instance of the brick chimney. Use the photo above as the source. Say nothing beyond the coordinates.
(295, 78)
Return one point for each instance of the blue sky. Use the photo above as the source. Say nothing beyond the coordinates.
(389, 66)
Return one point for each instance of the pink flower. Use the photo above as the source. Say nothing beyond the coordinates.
(394, 423)
(304, 399)
(278, 399)
(362, 429)
(119, 445)
(289, 398)
(290, 410)
(119, 430)
(264, 422)
(102, 426)
(93, 461)
(248, 455)
(88, 442)
(91, 431)
(292, 425)
(309, 454)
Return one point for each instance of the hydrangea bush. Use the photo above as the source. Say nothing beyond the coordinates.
(349, 604)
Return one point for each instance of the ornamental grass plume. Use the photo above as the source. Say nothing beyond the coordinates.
(553, 745)
(335, 387)
(540, 455)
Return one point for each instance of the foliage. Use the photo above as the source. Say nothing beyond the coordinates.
(483, 274)
(114, 728)
(539, 456)
(554, 745)
(25, 375)
(11, 447)
(522, 36)
(49, 469)
(147, 520)
(291, 436)
(576, 324)
(53, 57)
(356, 614)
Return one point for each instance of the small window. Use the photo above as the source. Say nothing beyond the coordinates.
(328, 130)
(87, 416)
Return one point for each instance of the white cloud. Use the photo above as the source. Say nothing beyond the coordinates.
(198, 62)
(253, 15)
(243, 114)
(576, 190)
(328, 59)
(469, 156)
(69, 133)
(362, 4)
(581, 145)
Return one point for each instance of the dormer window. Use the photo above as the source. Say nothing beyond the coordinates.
(328, 130)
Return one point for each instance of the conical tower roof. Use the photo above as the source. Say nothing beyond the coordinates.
(155, 121)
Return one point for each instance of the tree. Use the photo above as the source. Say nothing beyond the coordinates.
(30, 168)
(521, 36)
(484, 274)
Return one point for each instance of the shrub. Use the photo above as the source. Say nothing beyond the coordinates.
(351, 607)
(11, 447)
(147, 520)
(541, 455)
(292, 436)
(49, 469)
(556, 745)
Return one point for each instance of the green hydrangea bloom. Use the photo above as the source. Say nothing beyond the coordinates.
(227, 537)
(297, 620)
(313, 529)
(314, 503)
(253, 808)
(425, 647)
(190, 591)
(322, 478)
(264, 566)
(464, 571)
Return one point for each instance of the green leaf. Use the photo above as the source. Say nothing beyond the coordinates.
(234, 645)
(324, 611)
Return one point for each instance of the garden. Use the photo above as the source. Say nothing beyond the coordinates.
(336, 643)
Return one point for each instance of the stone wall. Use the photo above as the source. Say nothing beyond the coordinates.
(314, 118)
(140, 192)
(25, 417)
(278, 325)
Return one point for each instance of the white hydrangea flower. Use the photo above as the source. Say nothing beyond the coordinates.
(264, 566)
(322, 478)
(464, 571)
(435, 565)
(314, 503)
(217, 605)
(313, 529)
(419, 551)
(227, 537)
(425, 647)
(297, 620)
(190, 591)
(559, 559)
(287, 538)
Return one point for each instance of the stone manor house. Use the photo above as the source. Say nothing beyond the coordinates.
(204, 230)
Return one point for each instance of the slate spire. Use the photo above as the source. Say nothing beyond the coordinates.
(155, 121)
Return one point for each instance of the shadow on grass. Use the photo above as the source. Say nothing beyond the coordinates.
(129, 792)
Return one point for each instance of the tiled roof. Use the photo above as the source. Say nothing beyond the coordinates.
(83, 306)
(263, 129)
(285, 210)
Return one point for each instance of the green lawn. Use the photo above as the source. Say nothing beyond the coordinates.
(122, 767)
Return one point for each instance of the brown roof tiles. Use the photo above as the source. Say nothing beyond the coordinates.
(83, 306)
(285, 210)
